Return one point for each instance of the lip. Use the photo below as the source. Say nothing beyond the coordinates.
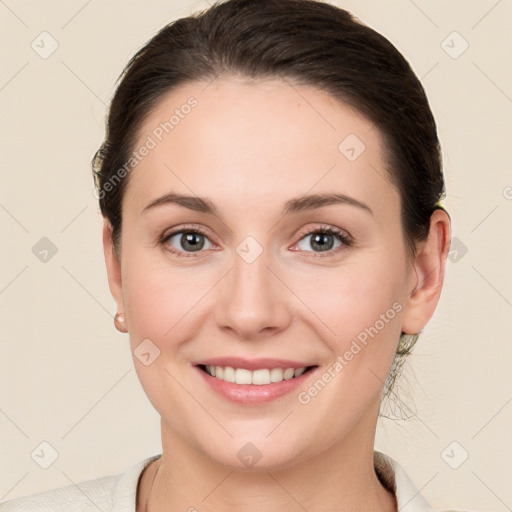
(253, 364)
(252, 394)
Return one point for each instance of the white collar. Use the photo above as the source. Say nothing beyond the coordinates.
(394, 477)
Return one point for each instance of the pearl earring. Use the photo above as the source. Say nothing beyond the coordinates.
(119, 322)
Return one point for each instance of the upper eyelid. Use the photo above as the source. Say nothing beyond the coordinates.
(302, 233)
(324, 228)
(183, 229)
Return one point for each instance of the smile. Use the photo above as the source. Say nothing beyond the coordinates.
(260, 377)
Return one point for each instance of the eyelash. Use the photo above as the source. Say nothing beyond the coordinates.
(341, 236)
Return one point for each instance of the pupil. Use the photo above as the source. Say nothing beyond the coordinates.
(320, 241)
(190, 241)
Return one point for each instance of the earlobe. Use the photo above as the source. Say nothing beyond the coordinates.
(429, 266)
(113, 265)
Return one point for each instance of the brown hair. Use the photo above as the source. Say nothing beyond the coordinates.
(310, 43)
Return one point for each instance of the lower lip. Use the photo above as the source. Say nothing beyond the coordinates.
(253, 394)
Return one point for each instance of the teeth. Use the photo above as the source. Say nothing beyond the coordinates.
(257, 377)
(243, 376)
(229, 374)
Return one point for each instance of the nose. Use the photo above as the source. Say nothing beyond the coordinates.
(253, 302)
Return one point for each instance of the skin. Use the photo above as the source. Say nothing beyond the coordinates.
(248, 147)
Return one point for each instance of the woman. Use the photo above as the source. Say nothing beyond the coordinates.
(270, 184)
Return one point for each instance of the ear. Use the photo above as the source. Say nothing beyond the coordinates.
(429, 265)
(113, 264)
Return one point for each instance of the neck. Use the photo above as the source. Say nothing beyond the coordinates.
(340, 479)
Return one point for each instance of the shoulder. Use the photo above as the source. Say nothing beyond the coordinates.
(83, 497)
(114, 493)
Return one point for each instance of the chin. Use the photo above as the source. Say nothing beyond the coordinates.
(253, 454)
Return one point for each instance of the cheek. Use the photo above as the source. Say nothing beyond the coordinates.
(357, 310)
(160, 299)
(160, 306)
(360, 302)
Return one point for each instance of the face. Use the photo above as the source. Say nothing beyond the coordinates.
(259, 269)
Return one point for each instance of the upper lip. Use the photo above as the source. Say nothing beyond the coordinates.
(253, 364)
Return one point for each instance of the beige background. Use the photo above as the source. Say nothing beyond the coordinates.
(66, 376)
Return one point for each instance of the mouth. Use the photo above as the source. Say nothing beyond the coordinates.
(254, 382)
(258, 377)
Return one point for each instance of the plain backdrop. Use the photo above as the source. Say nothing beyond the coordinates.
(67, 377)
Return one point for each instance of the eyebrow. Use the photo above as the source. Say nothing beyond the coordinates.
(304, 203)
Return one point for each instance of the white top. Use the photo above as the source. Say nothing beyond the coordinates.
(117, 493)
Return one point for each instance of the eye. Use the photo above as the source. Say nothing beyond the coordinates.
(325, 239)
(186, 241)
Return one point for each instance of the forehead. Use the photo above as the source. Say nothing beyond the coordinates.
(239, 138)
